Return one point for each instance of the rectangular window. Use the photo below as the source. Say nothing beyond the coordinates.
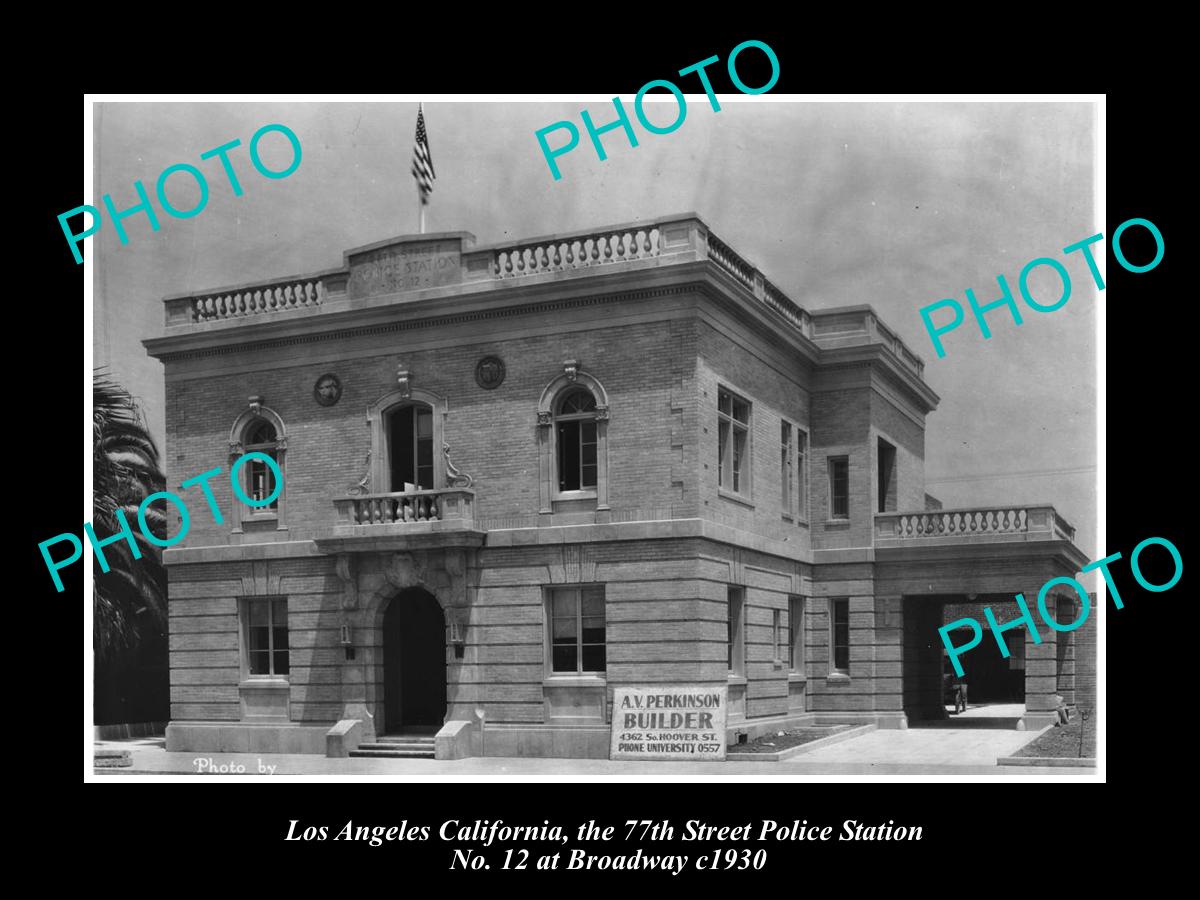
(737, 631)
(577, 465)
(267, 635)
(786, 477)
(796, 634)
(262, 483)
(577, 630)
(839, 487)
(887, 477)
(733, 442)
(839, 639)
(777, 635)
(801, 474)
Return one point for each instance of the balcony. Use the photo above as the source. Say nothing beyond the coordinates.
(407, 519)
(987, 524)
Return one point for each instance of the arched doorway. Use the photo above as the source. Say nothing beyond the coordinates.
(414, 663)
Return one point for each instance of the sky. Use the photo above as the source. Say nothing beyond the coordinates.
(896, 205)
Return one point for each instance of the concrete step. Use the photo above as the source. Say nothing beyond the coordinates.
(397, 745)
(392, 753)
(405, 739)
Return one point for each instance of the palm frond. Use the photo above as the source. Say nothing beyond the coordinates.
(130, 599)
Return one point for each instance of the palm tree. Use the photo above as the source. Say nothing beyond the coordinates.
(129, 600)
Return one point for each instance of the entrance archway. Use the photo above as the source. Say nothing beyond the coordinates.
(414, 663)
(995, 685)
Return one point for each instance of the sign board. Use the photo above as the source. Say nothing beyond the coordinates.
(668, 721)
(405, 267)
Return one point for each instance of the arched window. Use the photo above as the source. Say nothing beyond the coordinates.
(407, 434)
(410, 447)
(572, 417)
(260, 437)
(575, 437)
(259, 429)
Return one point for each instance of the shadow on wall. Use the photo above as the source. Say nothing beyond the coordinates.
(134, 686)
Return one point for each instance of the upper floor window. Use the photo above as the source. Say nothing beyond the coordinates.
(410, 447)
(261, 431)
(839, 487)
(577, 630)
(733, 442)
(786, 466)
(793, 472)
(266, 635)
(573, 419)
(576, 436)
(261, 437)
(801, 474)
(886, 488)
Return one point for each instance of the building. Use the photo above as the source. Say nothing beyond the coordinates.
(516, 476)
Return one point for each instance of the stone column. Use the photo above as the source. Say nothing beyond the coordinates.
(1067, 611)
(1041, 669)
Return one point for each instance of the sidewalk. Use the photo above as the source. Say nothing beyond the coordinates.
(900, 755)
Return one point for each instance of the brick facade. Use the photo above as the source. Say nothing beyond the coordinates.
(668, 545)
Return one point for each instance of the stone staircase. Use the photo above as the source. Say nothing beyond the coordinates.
(398, 746)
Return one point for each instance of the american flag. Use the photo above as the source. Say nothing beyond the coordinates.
(422, 164)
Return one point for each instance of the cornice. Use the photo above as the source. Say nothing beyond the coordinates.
(426, 321)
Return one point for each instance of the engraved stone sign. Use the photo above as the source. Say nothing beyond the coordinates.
(405, 267)
(667, 721)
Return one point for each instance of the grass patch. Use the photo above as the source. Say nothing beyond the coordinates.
(1062, 742)
(776, 741)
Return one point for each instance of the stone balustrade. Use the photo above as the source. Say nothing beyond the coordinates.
(1026, 522)
(245, 301)
(449, 505)
(416, 263)
(576, 252)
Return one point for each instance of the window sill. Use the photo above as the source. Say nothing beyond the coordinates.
(837, 678)
(736, 498)
(566, 680)
(265, 683)
(735, 679)
(829, 522)
(574, 495)
(797, 677)
(777, 663)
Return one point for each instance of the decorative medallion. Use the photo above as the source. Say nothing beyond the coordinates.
(328, 390)
(489, 372)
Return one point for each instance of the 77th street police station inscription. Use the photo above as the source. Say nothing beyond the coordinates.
(668, 722)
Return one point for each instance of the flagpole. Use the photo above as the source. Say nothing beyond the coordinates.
(420, 212)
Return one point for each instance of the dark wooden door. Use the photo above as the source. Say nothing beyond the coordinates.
(414, 660)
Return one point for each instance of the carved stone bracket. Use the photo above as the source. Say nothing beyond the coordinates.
(571, 368)
(256, 404)
(455, 477)
(364, 484)
(601, 413)
(403, 378)
(545, 418)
